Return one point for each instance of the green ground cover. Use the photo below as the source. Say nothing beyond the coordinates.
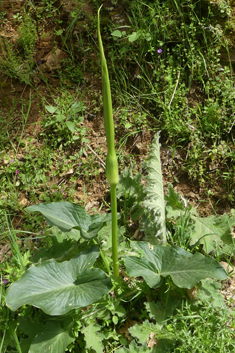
(66, 285)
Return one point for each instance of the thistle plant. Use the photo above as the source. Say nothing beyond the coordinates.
(111, 159)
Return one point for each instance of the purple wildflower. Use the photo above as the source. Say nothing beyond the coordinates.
(12, 161)
(5, 281)
(17, 171)
(159, 51)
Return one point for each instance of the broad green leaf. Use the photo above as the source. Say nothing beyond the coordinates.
(93, 337)
(160, 311)
(116, 33)
(66, 215)
(57, 288)
(51, 109)
(133, 36)
(53, 338)
(185, 269)
(213, 233)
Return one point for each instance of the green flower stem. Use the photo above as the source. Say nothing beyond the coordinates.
(114, 231)
(111, 159)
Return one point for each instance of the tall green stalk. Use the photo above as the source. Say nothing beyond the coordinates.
(111, 159)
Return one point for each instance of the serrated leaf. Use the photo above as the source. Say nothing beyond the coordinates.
(185, 269)
(66, 215)
(130, 189)
(143, 331)
(57, 288)
(153, 220)
(129, 186)
(93, 337)
(53, 338)
(174, 203)
(210, 292)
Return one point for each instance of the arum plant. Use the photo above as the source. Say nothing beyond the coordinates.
(111, 159)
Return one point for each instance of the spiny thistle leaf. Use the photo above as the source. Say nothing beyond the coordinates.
(153, 220)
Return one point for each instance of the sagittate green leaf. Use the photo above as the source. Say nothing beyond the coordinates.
(66, 215)
(185, 269)
(57, 288)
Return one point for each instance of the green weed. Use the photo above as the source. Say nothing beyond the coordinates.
(63, 125)
(17, 60)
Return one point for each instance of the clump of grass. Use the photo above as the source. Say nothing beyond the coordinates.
(17, 61)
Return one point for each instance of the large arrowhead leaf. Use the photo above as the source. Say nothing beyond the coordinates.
(57, 288)
(185, 269)
(66, 215)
